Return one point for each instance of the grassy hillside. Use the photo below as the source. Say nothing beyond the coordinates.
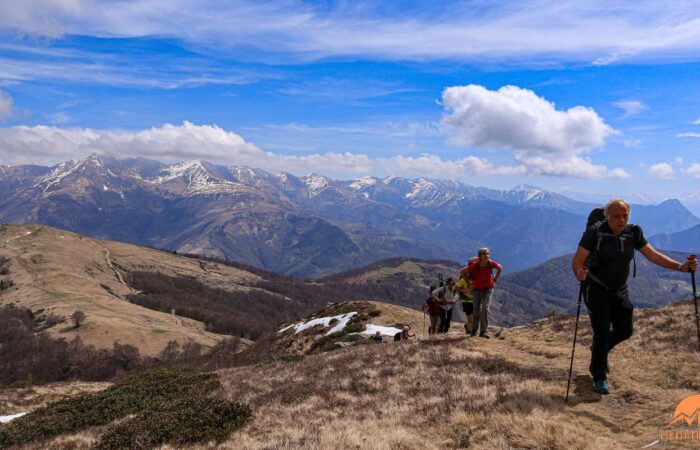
(129, 293)
(458, 392)
(55, 273)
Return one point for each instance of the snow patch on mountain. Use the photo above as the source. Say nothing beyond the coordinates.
(342, 319)
(57, 174)
(316, 183)
(199, 180)
(426, 193)
(363, 182)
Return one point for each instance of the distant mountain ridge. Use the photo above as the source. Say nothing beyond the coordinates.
(306, 226)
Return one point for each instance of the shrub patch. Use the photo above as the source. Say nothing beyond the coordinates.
(167, 405)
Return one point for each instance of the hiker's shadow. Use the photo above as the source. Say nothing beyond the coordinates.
(583, 391)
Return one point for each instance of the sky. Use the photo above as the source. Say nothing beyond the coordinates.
(591, 100)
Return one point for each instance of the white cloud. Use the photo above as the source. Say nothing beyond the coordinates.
(693, 170)
(538, 30)
(630, 107)
(6, 105)
(679, 160)
(688, 135)
(433, 165)
(662, 171)
(696, 121)
(621, 173)
(49, 145)
(545, 140)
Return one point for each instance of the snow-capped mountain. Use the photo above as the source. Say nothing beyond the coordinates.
(308, 225)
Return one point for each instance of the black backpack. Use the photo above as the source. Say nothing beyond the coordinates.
(597, 218)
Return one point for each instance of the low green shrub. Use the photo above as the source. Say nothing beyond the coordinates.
(158, 399)
(188, 420)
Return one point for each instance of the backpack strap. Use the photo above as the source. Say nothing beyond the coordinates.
(621, 239)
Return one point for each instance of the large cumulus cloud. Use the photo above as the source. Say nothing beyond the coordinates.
(546, 141)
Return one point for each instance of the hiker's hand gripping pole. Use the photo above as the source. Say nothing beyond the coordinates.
(695, 297)
(573, 348)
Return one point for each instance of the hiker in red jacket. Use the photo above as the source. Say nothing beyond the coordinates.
(483, 280)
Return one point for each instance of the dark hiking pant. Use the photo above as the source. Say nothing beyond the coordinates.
(607, 308)
(445, 319)
(482, 303)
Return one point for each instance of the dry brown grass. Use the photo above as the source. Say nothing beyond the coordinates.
(58, 272)
(455, 392)
(26, 399)
(442, 393)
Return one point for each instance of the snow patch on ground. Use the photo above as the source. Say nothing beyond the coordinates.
(342, 319)
(17, 237)
(7, 419)
(371, 330)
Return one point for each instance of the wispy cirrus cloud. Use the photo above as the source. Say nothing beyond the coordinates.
(6, 105)
(630, 107)
(542, 30)
(119, 71)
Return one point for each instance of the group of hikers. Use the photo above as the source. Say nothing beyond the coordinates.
(602, 266)
(473, 290)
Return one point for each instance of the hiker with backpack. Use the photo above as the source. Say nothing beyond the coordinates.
(602, 265)
(432, 305)
(464, 288)
(446, 295)
(483, 281)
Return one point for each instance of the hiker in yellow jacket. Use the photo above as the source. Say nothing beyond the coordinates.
(464, 288)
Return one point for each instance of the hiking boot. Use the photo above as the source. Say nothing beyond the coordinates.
(485, 336)
(601, 387)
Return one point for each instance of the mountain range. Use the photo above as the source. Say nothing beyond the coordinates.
(306, 226)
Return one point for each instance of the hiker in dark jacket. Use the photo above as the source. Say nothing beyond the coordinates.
(405, 334)
(447, 297)
(432, 305)
(612, 243)
(483, 281)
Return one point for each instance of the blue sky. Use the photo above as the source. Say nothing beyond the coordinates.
(591, 100)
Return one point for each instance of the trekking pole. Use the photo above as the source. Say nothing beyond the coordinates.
(695, 297)
(571, 366)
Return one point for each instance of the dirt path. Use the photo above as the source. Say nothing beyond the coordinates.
(635, 411)
(108, 260)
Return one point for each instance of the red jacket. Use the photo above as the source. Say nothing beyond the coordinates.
(482, 277)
